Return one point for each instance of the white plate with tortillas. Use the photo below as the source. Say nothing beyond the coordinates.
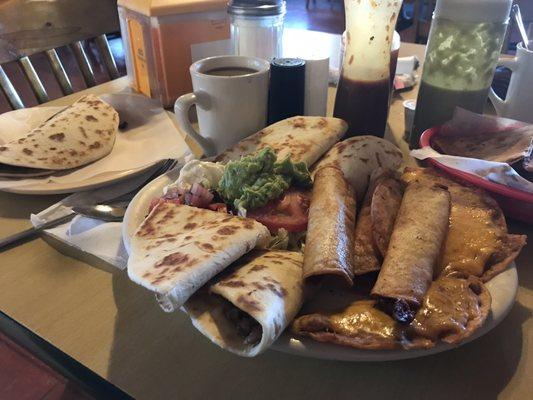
(51, 150)
(502, 288)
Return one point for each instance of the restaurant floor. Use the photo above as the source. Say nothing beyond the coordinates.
(23, 376)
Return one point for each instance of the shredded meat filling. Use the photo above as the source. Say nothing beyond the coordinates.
(247, 327)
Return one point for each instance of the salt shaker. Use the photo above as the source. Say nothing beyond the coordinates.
(257, 27)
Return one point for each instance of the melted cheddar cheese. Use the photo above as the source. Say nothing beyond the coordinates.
(363, 318)
(476, 226)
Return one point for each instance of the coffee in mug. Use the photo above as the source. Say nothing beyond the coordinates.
(230, 71)
(231, 98)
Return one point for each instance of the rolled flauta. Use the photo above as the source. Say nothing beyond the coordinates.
(366, 254)
(330, 232)
(386, 201)
(375, 220)
(415, 244)
(245, 310)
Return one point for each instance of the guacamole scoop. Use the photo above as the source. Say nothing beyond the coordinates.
(255, 179)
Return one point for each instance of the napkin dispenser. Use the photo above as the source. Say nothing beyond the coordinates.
(162, 38)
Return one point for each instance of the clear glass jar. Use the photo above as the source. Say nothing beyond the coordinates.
(257, 28)
(363, 92)
(464, 44)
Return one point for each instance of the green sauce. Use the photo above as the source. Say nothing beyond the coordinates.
(255, 179)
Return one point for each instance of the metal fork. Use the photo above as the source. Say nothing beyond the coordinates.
(123, 199)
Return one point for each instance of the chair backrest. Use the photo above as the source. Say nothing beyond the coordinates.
(422, 18)
(28, 27)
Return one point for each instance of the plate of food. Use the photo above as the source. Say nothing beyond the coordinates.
(49, 150)
(296, 241)
(504, 143)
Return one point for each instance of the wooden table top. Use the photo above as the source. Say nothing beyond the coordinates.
(116, 329)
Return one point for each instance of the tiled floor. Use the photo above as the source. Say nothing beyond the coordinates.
(23, 376)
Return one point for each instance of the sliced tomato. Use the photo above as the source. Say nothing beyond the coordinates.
(290, 211)
(221, 207)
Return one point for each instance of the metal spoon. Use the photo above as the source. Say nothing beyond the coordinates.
(520, 23)
(103, 212)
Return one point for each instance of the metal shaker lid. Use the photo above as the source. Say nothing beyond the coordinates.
(256, 8)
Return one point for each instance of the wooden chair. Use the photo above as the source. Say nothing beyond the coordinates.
(423, 13)
(29, 28)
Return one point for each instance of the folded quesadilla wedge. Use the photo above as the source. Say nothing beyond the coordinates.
(452, 310)
(419, 233)
(178, 248)
(478, 242)
(248, 307)
(358, 157)
(78, 135)
(302, 138)
(360, 325)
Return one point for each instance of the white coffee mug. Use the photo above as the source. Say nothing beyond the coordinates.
(229, 108)
(518, 103)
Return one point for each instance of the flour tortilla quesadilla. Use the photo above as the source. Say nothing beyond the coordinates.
(302, 138)
(178, 248)
(478, 242)
(78, 135)
(246, 309)
(358, 157)
(419, 232)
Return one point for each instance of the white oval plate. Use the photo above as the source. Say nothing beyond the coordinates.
(46, 187)
(503, 289)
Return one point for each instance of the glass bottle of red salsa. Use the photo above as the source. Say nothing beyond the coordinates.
(364, 87)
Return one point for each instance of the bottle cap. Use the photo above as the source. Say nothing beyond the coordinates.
(256, 8)
(287, 88)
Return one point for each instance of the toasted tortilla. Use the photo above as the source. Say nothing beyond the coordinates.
(376, 220)
(331, 227)
(302, 138)
(419, 232)
(78, 135)
(178, 248)
(358, 157)
(384, 207)
(11, 171)
(452, 310)
(245, 310)
(360, 325)
(528, 158)
(503, 146)
(478, 242)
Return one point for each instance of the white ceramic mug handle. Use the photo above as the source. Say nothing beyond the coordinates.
(499, 104)
(181, 109)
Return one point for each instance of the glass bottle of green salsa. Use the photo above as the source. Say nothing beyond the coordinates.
(464, 43)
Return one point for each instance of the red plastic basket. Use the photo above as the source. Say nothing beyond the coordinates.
(515, 203)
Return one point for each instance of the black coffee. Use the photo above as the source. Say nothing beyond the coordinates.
(230, 71)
